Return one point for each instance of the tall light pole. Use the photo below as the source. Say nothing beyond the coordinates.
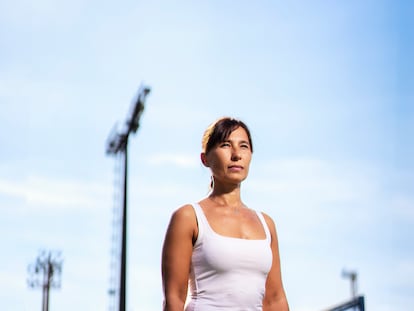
(352, 275)
(118, 143)
(45, 273)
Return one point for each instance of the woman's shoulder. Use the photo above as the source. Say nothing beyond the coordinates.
(269, 221)
(183, 222)
(184, 213)
(266, 216)
(186, 208)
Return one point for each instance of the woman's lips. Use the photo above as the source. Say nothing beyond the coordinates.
(236, 168)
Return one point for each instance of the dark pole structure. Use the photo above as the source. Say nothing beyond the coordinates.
(45, 273)
(122, 285)
(356, 302)
(352, 275)
(118, 143)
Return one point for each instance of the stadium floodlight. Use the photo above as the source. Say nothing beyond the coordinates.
(117, 142)
(45, 273)
(138, 108)
(118, 137)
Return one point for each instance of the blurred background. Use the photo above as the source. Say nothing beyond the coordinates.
(326, 88)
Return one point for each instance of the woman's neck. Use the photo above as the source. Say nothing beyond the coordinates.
(226, 198)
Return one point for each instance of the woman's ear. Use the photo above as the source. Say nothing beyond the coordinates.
(203, 159)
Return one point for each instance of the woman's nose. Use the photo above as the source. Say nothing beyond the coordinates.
(235, 155)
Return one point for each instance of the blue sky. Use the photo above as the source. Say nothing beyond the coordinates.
(325, 86)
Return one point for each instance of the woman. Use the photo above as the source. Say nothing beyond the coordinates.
(223, 252)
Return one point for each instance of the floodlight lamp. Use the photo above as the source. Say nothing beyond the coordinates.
(349, 274)
(138, 108)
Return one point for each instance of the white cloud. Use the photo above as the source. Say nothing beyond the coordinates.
(56, 193)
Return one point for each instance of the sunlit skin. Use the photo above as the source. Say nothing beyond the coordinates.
(229, 163)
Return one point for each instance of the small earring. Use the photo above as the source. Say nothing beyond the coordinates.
(212, 183)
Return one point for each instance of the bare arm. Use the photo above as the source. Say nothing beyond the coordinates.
(275, 297)
(176, 257)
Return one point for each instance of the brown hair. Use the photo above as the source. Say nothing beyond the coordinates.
(220, 130)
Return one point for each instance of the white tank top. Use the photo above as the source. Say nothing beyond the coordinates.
(227, 273)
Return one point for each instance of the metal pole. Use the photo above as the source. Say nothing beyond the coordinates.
(45, 287)
(45, 274)
(352, 275)
(361, 303)
(118, 142)
(122, 295)
(46, 284)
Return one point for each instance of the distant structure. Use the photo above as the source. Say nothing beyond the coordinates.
(45, 273)
(356, 302)
(117, 144)
(352, 275)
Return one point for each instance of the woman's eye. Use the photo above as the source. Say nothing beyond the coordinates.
(225, 144)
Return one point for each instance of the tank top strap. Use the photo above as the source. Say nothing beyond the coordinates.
(201, 222)
(265, 226)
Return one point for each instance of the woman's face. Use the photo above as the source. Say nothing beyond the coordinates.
(229, 160)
